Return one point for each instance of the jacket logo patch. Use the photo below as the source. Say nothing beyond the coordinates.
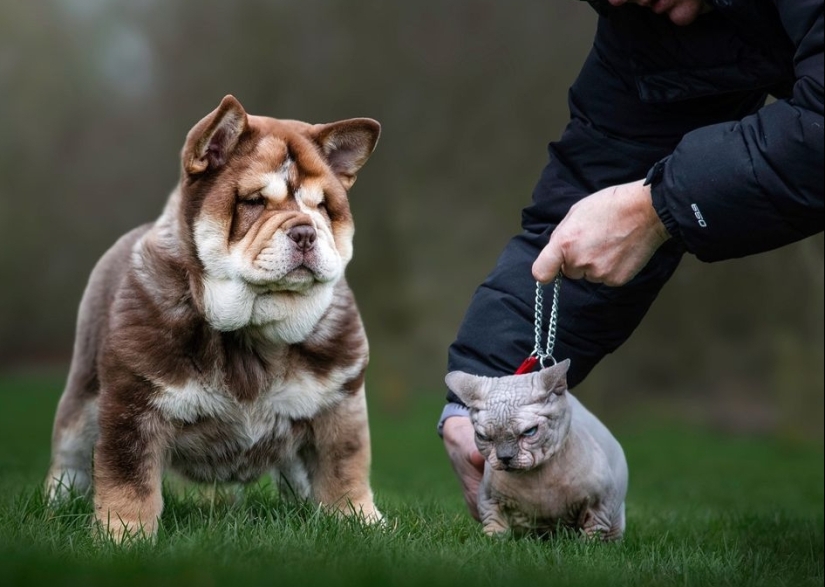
(699, 218)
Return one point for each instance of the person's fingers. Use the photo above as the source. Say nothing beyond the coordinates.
(549, 262)
(573, 272)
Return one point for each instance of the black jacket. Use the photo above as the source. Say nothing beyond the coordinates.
(685, 106)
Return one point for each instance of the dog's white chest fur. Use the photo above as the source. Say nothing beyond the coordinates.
(221, 438)
(298, 397)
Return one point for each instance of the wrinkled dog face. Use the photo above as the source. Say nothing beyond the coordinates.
(266, 203)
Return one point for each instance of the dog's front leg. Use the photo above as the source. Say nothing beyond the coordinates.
(339, 464)
(128, 467)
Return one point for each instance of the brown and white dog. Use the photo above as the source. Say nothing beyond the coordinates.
(223, 341)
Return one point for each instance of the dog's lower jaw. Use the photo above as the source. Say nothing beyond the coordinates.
(231, 304)
(291, 319)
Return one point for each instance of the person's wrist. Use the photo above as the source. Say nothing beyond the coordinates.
(455, 425)
(654, 183)
(451, 410)
(645, 203)
(659, 229)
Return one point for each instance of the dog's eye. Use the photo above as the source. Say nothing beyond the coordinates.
(253, 201)
(530, 432)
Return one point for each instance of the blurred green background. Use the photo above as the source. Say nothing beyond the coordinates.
(96, 97)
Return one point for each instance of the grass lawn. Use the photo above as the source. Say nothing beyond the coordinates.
(703, 509)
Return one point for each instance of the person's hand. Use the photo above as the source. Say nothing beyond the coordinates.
(468, 464)
(607, 237)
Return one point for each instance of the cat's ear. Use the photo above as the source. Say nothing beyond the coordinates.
(554, 379)
(468, 388)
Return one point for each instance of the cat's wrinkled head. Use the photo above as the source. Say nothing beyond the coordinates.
(520, 421)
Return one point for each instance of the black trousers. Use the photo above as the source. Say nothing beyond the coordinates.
(497, 332)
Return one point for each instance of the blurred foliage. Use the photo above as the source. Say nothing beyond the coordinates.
(96, 97)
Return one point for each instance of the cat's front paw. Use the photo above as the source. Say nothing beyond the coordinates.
(601, 533)
(496, 529)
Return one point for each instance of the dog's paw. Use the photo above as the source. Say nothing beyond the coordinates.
(365, 512)
(61, 486)
(124, 532)
(373, 516)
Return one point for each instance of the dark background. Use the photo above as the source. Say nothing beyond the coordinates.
(96, 97)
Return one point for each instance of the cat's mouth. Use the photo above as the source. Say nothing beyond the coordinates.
(511, 467)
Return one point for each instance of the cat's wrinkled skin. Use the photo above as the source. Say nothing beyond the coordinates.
(550, 463)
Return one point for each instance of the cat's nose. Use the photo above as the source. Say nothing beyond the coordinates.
(506, 453)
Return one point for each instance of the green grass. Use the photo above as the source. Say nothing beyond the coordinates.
(703, 509)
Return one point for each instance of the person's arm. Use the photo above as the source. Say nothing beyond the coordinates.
(467, 462)
(739, 188)
(728, 189)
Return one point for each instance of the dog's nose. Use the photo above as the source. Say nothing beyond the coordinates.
(303, 235)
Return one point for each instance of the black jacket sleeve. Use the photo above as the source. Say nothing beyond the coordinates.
(737, 188)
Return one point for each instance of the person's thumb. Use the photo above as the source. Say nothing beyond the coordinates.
(548, 264)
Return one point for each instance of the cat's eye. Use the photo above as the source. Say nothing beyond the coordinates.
(530, 431)
(481, 437)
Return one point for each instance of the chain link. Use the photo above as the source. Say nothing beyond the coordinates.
(551, 328)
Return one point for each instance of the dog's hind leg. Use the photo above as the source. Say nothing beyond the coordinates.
(73, 438)
(75, 425)
(292, 480)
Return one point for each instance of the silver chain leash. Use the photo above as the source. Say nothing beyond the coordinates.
(551, 329)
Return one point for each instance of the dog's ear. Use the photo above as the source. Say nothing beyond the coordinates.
(347, 145)
(212, 140)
